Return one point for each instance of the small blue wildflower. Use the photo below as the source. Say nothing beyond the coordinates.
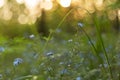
(49, 53)
(17, 61)
(64, 71)
(2, 49)
(61, 63)
(105, 65)
(80, 24)
(78, 78)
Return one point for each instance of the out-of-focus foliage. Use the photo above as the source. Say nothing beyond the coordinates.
(115, 5)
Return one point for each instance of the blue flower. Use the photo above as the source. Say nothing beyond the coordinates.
(17, 61)
(2, 49)
(49, 53)
(80, 24)
(78, 78)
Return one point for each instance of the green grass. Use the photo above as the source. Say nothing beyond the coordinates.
(81, 56)
(70, 58)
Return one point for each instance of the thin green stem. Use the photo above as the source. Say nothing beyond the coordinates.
(102, 44)
(96, 53)
(24, 77)
(51, 33)
(105, 53)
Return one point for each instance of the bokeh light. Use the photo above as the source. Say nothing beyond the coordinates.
(65, 3)
(33, 8)
(2, 2)
(99, 4)
(30, 4)
(6, 13)
(22, 19)
(48, 3)
(20, 1)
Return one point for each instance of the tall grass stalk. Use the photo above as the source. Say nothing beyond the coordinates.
(102, 44)
(24, 77)
(50, 36)
(98, 34)
(53, 31)
(93, 46)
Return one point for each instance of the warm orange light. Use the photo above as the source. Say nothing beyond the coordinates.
(65, 3)
(2, 2)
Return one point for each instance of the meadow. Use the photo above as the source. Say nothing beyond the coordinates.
(75, 49)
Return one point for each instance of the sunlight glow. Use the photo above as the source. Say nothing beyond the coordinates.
(7, 14)
(65, 3)
(25, 19)
(47, 4)
(2, 2)
(30, 4)
(99, 4)
(20, 1)
(33, 7)
(22, 19)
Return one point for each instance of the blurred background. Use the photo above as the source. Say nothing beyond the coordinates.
(24, 17)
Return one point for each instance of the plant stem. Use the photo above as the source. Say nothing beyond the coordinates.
(96, 53)
(102, 44)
